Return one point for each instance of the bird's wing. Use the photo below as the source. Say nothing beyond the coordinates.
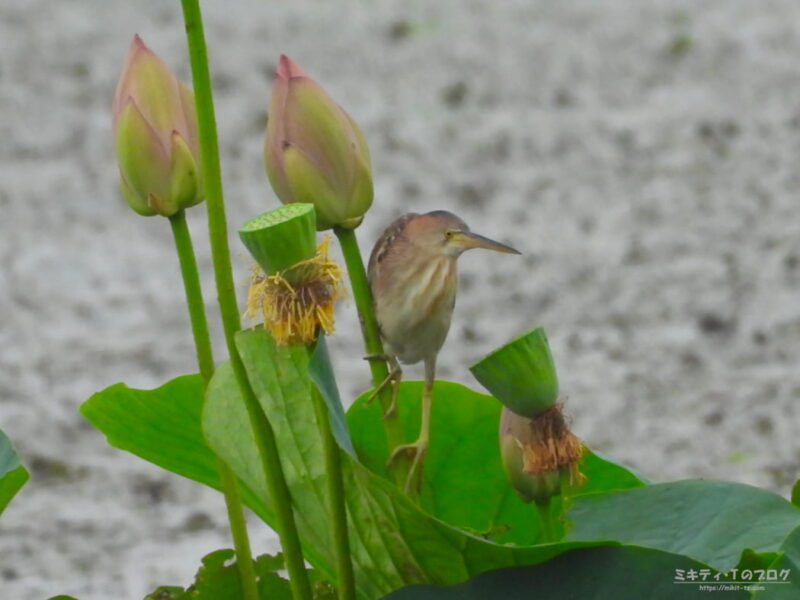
(384, 243)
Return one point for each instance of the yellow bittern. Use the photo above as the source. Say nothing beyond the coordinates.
(412, 274)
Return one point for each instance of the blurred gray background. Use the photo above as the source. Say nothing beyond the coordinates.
(643, 157)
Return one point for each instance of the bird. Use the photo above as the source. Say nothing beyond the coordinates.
(412, 277)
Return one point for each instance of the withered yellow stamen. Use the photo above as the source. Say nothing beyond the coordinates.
(294, 303)
(550, 445)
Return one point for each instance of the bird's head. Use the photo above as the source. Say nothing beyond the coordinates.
(441, 232)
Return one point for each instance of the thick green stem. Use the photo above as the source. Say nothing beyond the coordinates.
(205, 362)
(194, 294)
(336, 503)
(279, 495)
(238, 524)
(547, 532)
(372, 338)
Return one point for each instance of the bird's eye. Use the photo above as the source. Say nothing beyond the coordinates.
(449, 233)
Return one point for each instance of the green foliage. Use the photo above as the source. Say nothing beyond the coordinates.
(787, 559)
(605, 473)
(321, 373)
(218, 579)
(710, 521)
(796, 493)
(601, 573)
(753, 560)
(13, 473)
(469, 520)
(464, 483)
(393, 540)
(166, 592)
(161, 426)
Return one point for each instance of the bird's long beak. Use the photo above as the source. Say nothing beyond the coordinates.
(467, 240)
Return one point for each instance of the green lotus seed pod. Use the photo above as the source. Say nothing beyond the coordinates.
(281, 238)
(521, 374)
(296, 291)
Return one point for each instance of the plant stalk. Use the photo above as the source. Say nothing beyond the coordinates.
(372, 339)
(279, 494)
(547, 532)
(336, 502)
(194, 294)
(205, 362)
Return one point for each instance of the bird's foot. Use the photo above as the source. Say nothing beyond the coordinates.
(393, 404)
(393, 379)
(418, 450)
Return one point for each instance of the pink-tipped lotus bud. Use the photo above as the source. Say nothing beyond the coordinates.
(155, 128)
(314, 152)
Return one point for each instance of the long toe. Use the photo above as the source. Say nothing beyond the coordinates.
(393, 406)
(414, 479)
(400, 450)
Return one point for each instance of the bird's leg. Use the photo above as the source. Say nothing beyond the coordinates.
(420, 447)
(394, 376)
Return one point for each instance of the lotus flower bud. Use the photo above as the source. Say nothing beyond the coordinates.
(314, 152)
(540, 455)
(155, 127)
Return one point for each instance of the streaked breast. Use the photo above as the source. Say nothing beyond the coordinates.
(415, 316)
